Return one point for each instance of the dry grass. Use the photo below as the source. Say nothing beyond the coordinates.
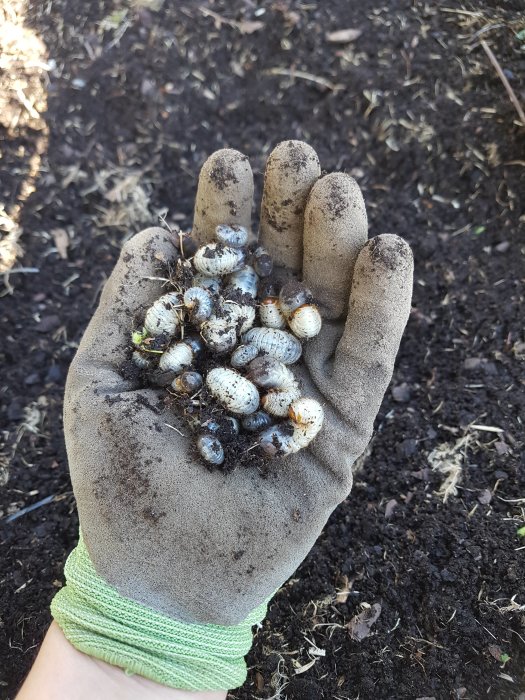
(447, 459)
(23, 100)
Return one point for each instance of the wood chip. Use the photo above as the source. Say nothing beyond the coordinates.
(360, 625)
(390, 507)
(61, 240)
(249, 27)
(343, 36)
(303, 669)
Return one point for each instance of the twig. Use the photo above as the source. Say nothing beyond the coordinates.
(28, 509)
(251, 448)
(318, 80)
(503, 78)
(175, 429)
(461, 12)
(487, 428)
(245, 27)
(23, 270)
(23, 99)
(9, 289)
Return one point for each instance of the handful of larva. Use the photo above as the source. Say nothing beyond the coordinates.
(223, 340)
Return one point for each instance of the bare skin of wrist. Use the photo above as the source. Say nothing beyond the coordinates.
(61, 671)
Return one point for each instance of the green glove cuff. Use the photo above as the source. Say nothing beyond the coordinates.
(98, 621)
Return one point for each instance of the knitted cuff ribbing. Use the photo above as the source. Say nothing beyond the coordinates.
(100, 622)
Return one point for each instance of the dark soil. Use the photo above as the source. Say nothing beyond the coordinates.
(415, 111)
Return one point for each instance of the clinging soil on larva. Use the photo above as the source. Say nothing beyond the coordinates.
(223, 348)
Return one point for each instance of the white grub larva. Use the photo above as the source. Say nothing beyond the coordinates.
(177, 358)
(306, 420)
(256, 421)
(243, 355)
(195, 343)
(210, 449)
(277, 401)
(307, 417)
(140, 359)
(269, 373)
(244, 280)
(216, 259)
(234, 236)
(262, 262)
(277, 440)
(164, 316)
(275, 342)
(305, 322)
(233, 391)
(270, 313)
(200, 304)
(219, 334)
(293, 295)
(304, 319)
(242, 315)
(187, 382)
(213, 284)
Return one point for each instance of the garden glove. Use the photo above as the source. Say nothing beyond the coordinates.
(177, 562)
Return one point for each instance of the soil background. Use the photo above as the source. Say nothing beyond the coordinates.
(131, 101)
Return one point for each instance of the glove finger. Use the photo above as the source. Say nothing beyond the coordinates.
(291, 170)
(378, 311)
(224, 194)
(105, 346)
(335, 230)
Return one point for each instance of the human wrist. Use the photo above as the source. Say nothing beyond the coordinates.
(62, 671)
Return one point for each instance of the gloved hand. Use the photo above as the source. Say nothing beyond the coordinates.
(177, 562)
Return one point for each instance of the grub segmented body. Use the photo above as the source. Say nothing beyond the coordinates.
(164, 315)
(243, 355)
(210, 449)
(275, 342)
(212, 284)
(178, 357)
(270, 313)
(234, 235)
(305, 322)
(302, 315)
(195, 342)
(244, 280)
(277, 401)
(273, 375)
(293, 295)
(219, 334)
(306, 418)
(242, 315)
(216, 259)
(187, 382)
(233, 391)
(269, 373)
(262, 262)
(256, 421)
(199, 303)
(141, 360)
(277, 440)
